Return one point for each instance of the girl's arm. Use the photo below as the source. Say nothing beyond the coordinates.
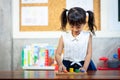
(89, 53)
(58, 55)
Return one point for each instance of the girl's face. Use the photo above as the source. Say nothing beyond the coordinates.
(76, 29)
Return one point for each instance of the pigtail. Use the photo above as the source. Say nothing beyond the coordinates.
(91, 21)
(64, 19)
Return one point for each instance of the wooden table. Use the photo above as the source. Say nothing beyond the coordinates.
(99, 74)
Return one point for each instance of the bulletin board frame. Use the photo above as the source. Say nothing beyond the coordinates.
(53, 16)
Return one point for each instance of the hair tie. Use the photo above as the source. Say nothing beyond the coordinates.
(67, 11)
(87, 14)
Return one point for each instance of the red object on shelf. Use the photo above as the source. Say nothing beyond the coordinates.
(103, 58)
(46, 57)
(105, 68)
(119, 53)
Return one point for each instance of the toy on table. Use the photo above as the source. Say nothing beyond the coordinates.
(81, 70)
(72, 72)
(77, 70)
(71, 69)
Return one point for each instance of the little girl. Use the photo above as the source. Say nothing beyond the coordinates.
(77, 44)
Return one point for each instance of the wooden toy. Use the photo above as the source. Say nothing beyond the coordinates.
(71, 69)
(71, 73)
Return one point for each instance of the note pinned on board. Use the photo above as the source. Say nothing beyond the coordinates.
(34, 16)
(34, 1)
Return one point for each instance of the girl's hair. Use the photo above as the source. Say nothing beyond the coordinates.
(77, 16)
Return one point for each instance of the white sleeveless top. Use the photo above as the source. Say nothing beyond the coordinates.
(75, 48)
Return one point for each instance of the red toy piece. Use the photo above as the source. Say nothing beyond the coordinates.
(103, 58)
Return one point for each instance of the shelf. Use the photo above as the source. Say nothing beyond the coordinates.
(39, 68)
(105, 68)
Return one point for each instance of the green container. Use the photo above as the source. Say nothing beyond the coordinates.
(77, 70)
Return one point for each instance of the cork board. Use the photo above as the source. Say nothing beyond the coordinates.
(54, 10)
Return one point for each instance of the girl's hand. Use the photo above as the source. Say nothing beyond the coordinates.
(82, 70)
(62, 68)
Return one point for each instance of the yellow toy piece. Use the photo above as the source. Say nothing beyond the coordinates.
(71, 69)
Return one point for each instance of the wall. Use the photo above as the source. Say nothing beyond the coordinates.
(10, 50)
(5, 35)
